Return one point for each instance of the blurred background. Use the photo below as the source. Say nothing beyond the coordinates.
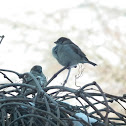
(98, 27)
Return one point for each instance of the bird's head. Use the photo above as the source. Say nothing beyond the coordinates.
(63, 40)
(36, 68)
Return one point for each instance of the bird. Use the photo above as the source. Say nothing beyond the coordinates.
(36, 71)
(69, 54)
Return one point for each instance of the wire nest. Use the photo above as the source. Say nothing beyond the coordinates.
(22, 104)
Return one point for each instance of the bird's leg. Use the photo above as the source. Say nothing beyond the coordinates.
(69, 70)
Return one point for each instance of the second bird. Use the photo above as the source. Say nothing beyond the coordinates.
(69, 54)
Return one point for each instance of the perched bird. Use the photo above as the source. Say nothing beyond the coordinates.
(38, 74)
(69, 54)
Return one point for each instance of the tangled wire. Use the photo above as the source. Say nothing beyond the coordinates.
(22, 104)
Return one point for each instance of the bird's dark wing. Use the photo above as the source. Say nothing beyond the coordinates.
(77, 50)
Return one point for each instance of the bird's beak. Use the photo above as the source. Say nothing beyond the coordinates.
(55, 42)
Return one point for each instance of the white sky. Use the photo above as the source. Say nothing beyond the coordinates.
(31, 13)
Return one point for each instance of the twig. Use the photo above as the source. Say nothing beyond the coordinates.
(1, 38)
(32, 115)
(48, 109)
(19, 75)
(67, 77)
(107, 106)
(5, 76)
(55, 75)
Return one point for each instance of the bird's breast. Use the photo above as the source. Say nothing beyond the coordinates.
(66, 55)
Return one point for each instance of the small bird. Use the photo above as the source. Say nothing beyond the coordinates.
(69, 54)
(38, 74)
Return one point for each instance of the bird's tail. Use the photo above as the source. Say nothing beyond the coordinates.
(94, 64)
